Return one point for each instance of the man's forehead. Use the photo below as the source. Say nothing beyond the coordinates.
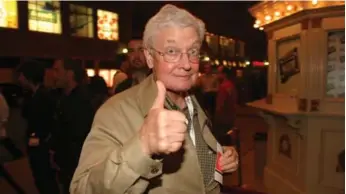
(135, 43)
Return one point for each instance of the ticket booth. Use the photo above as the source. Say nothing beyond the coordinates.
(305, 104)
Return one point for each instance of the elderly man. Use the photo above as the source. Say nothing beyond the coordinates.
(154, 138)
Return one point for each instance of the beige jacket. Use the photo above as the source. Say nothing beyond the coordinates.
(112, 161)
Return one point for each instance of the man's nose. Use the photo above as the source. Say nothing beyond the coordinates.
(184, 61)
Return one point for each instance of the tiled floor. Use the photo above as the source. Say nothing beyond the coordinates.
(247, 122)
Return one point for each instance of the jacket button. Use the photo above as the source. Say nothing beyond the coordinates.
(154, 170)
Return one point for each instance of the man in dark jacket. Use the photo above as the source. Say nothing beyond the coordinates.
(138, 69)
(74, 115)
(38, 111)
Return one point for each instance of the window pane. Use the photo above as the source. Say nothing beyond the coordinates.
(335, 86)
(8, 14)
(107, 25)
(44, 16)
(81, 22)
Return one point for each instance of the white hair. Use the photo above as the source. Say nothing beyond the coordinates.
(171, 16)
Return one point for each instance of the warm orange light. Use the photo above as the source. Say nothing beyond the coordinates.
(289, 7)
(314, 2)
(277, 13)
(261, 28)
(268, 17)
(258, 22)
(255, 25)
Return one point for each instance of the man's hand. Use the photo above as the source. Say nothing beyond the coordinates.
(229, 160)
(163, 130)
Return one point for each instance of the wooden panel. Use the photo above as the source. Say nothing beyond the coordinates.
(332, 158)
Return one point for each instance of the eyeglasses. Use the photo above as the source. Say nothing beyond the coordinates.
(173, 55)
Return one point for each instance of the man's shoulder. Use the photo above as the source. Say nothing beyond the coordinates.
(124, 97)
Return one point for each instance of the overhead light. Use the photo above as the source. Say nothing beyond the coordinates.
(247, 62)
(289, 7)
(277, 13)
(266, 63)
(258, 21)
(255, 25)
(261, 28)
(268, 17)
(314, 2)
(206, 58)
(217, 62)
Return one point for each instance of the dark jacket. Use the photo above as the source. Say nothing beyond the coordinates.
(74, 115)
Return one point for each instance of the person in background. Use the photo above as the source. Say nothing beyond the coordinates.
(208, 84)
(4, 114)
(74, 115)
(98, 90)
(138, 69)
(226, 101)
(38, 111)
(155, 138)
(120, 75)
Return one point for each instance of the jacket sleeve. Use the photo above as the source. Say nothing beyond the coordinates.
(112, 160)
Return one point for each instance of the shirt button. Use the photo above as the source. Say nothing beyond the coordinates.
(154, 170)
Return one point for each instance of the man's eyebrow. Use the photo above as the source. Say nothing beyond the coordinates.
(170, 41)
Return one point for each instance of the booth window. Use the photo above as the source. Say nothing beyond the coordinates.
(44, 16)
(81, 21)
(335, 74)
(8, 14)
(107, 25)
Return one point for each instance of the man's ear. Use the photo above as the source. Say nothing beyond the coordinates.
(149, 58)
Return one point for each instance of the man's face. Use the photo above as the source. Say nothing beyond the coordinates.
(60, 74)
(181, 75)
(136, 55)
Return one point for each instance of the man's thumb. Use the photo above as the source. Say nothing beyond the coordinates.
(161, 95)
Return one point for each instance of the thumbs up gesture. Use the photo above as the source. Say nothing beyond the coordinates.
(163, 130)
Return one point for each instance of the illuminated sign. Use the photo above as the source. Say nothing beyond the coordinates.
(44, 16)
(8, 14)
(107, 25)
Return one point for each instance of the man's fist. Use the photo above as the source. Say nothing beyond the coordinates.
(163, 130)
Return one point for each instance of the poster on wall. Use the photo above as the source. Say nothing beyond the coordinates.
(8, 14)
(335, 86)
(44, 16)
(107, 25)
(289, 65)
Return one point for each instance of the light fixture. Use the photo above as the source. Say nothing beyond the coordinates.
(277, 13)
(125, 50)
(261, 28)
(217, 62)
(289, 7)
(258, 22)
(256, 25)
(206, 58)
(224, 62)
(266, 63)
(268, 17)
(314, 2)
(247, 62)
